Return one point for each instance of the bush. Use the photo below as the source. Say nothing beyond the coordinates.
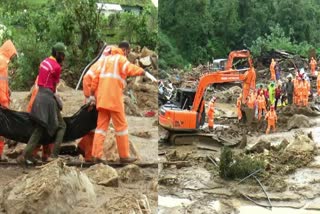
(237, 167)
(278, 40)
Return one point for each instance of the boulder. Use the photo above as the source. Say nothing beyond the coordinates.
(298, 121)
(145, 61)
(284, 143)
(146, 52)
(260, 146)
(55, 188)
(131, 173)
(301, 143)
(103, 175)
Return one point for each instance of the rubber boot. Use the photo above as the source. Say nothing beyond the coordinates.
(98, 160)
(128, 160)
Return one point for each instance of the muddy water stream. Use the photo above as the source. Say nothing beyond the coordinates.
(192, 190)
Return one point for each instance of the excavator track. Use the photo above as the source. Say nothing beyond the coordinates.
(187, 138)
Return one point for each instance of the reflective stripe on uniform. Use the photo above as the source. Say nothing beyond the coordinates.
(125, 67)
(100, 131)
(113, 76)
(115, 67)
(122, 133)
(91, 73)
(3, 78)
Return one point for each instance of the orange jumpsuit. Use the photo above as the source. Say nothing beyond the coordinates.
(261, 105)
(239, 113)
(305, 92)
(251, 101)
(272, 70)
(33, 95)
(318, 84)
(249, 82)
(211, 115)
(109, 87)
(7, 50)
(301, 91)
(272, 118)
(86, 142)
(313, 65)
(295, 91)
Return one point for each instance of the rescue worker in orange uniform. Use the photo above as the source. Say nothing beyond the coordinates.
(251, 100)
(318, 84)
(249, 82)
(272, 70)
(261, 104)
(34, 92)
(7, 53)
(109, 86)
(239, 102)
(300, 92)
(211, 113)
(305, 91)
(295, 89)
(313, 65)
(272, 119)
(85, 144)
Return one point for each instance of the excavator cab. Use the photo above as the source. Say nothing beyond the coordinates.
(180, 107)
(219, 64)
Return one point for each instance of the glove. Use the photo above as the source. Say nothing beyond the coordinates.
(91, 100)
(152, 78)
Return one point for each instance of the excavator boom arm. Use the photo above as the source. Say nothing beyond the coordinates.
(222, 77)
(237, 54)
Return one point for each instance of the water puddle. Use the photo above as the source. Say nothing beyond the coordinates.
(169, 204)
(305, 176)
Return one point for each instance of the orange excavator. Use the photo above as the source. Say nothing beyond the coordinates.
(186, 115)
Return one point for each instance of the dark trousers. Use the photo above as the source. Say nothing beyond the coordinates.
(290, 99)
(37, 134)
(276, 103)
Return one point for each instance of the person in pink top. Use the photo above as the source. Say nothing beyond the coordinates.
(46, 108)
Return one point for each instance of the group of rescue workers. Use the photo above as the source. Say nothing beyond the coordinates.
(264, 100)
(103, 87)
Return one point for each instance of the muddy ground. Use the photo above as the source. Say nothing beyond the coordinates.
(134, 190)
(191, 182)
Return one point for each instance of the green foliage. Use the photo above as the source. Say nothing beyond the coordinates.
(278, 40)
(169, 52)
(232, 167)
(202, 29)
(137, 29)
(37, 25)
